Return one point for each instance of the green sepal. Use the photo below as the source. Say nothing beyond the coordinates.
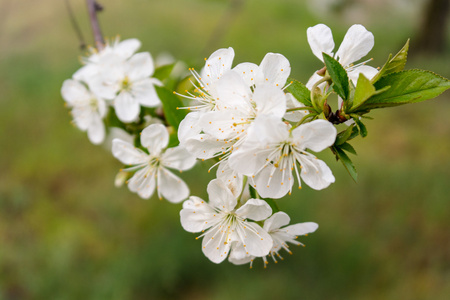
(343, 136)
(338, 76)
(409, 86)
(171, 105)
(163, 72)
(362, 128)
(299, 91)
(346, 161)
(393, 64)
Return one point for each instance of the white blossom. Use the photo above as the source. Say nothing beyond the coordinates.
(281, 236)
(151, 169)
(272, 151)
(128, 84)
(356, 44)
(224, 224)
(88, 110)
(94, 62)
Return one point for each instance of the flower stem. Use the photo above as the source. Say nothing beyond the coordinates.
(300, 108)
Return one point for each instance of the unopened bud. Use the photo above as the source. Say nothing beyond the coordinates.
(322, 71)
(120, 179)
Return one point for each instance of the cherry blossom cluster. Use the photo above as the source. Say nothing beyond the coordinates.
(260, 133)
(113, 77)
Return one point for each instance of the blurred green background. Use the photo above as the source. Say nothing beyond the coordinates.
(67, 233)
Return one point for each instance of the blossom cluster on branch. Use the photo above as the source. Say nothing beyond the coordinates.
(260, 127)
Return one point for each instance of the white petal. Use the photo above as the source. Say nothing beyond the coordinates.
(216, 65)
(313, 79)
(220, 196)
(171, 186)
(215, 245)
(255, 209)
(316, 135)
(223, 124)
(270, 100)
(276, 221)
(86, 73)
(126, 48)
(189, 126)
(197, 215)
(155, 138)
(232, 179)
(75, 92)
(256, 240)
(126, 107)
(320, 40)
(238, 255)
(232, 92)
(276, 69)
(144, 92)
(204, 146)
(127, 153)
(96, 130)
(367, 71)
(139, 66)
(248, 161)
(274, 183)
(102, 107)
(250, 73)
(82, 116)
(267, 129)
(143, 182)
(178, 158)
(356, 44)
(315, 173)
(300, 228)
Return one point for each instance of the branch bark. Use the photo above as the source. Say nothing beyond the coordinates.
(93, 8)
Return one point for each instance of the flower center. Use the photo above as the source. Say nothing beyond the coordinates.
(154, 162)
(126, 84)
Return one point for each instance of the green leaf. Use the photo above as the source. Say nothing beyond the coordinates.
(347, 147)
(338, 76)
(355, 133)
(361, 126)
(163, 72)
(173, 140)
(252, 192)
(395, 64)
(364, 90)
(347, 162)
(343, 136)
(406, 87)
(171, 103)
(299, 91)
(273, 205)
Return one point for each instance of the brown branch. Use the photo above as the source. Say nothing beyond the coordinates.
(93, 8)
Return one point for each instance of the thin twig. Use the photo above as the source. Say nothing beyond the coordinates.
(93, 8)
(75, 26)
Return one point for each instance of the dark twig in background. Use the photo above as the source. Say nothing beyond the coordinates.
(93, 8)
(75, 26)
